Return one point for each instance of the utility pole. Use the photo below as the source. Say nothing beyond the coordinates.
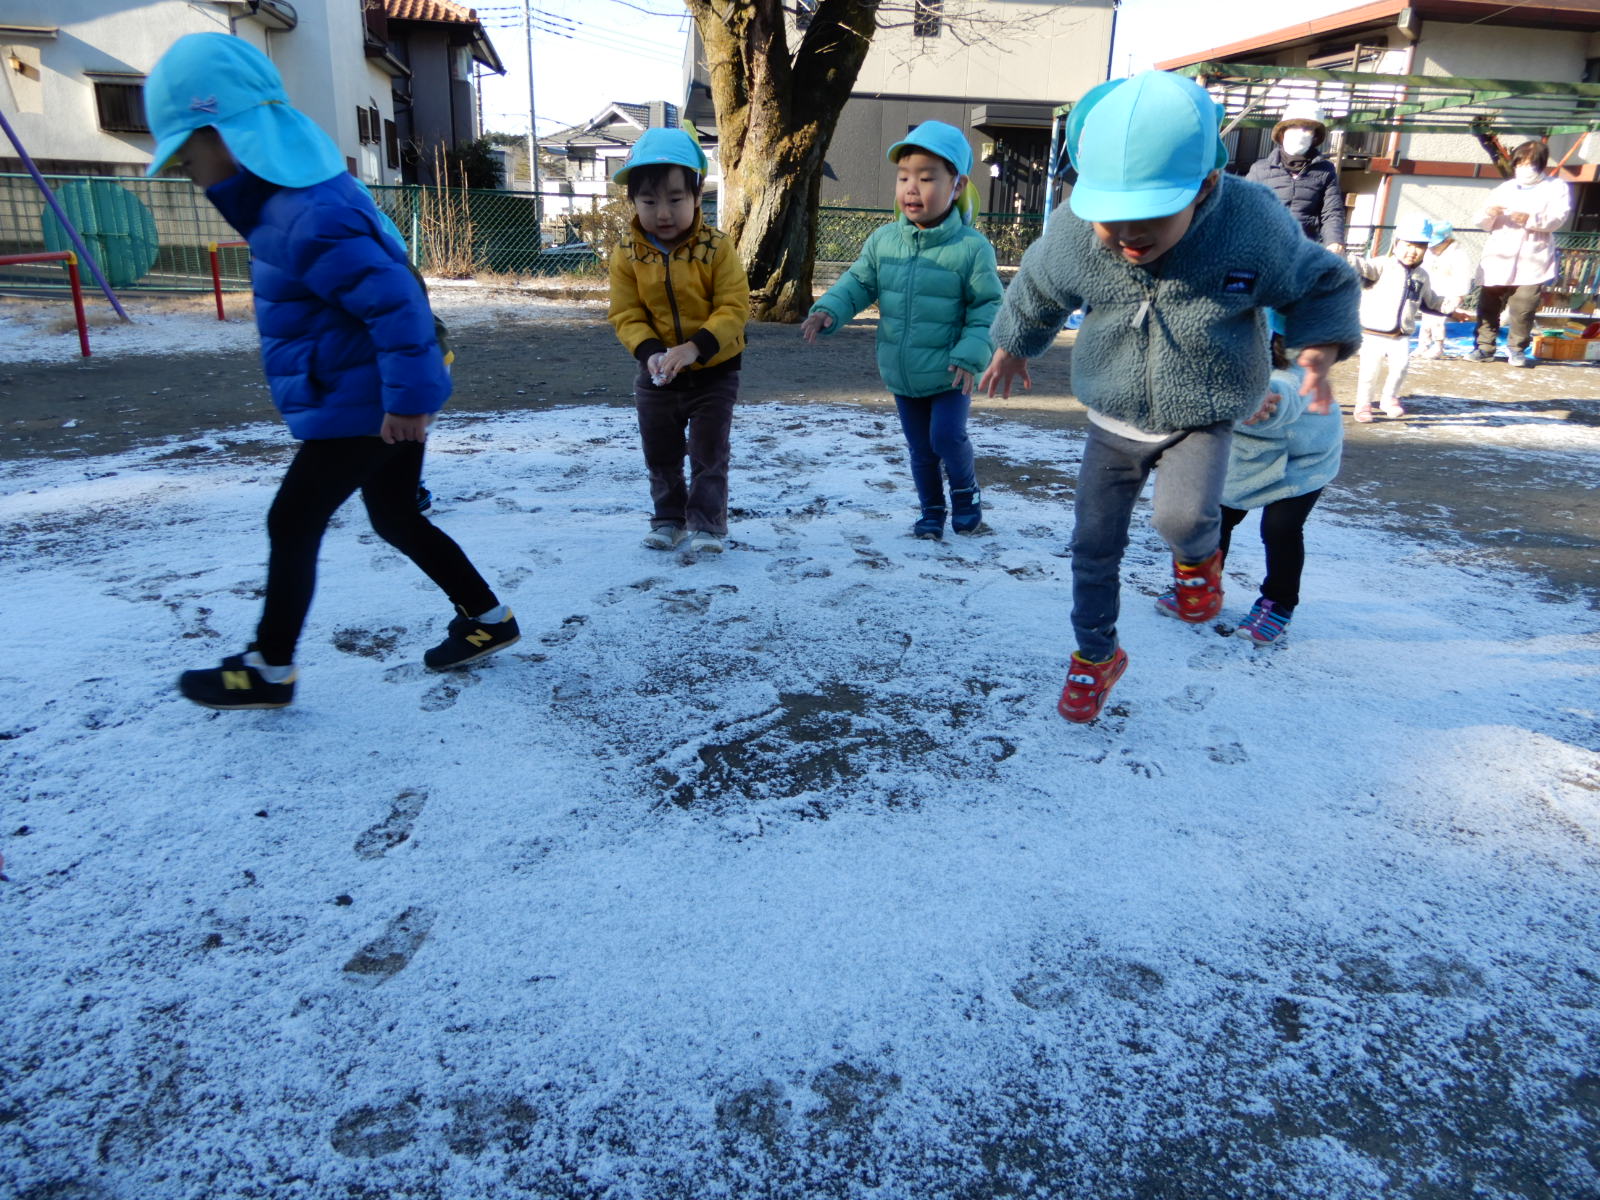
(533, 120)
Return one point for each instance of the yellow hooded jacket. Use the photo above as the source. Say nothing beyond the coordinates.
(699, 293)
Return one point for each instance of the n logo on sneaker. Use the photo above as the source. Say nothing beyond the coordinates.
(236, 681)
(480, 637)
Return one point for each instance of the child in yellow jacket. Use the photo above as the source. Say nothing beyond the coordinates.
(679, 301)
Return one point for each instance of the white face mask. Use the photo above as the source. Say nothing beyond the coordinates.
(1296, 142)
(1526, 174)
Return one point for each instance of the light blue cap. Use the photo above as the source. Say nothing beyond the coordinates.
(1413, 229)
(1142, 146)
(214, 79)
(1440, 231)
(946, 141)
(663, 147)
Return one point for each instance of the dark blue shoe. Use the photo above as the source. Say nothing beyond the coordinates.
(235, 684)
(966, 510)
(931, 524)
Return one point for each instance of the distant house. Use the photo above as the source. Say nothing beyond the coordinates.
(995, 69)
(441, 45)
(1438, 175)
(74, 74)
(578, 161)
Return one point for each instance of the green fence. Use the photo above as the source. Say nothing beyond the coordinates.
(841, 232)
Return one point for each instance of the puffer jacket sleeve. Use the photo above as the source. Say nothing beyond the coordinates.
(336, 252)
(629, 315)
(1040, 298)
(982, 295)
(857, 287)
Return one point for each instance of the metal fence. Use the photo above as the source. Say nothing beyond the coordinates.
(1577, 259)
(841, 232)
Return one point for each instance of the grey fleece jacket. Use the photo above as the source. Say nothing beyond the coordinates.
(1182, 343)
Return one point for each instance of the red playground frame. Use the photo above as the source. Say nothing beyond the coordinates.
(71, 259)
(216, 274)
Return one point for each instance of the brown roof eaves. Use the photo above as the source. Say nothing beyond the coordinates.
(1539, 14)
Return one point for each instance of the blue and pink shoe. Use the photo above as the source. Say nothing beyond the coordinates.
(1265, 624)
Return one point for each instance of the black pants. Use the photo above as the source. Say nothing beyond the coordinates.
(1283, 524)
(1493, 301)
(692, 415)
(324, 474)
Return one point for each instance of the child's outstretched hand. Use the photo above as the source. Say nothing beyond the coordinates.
(813, 325)
(664, 367)
(1003, 368)
(402, 428)
(1317, 360)
(1269, 405)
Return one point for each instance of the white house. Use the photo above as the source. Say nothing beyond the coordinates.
(578, 161)
(74, 73)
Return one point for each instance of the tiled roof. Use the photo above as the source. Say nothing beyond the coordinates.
(430, 10)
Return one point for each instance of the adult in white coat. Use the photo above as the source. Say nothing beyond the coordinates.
(1519, 258)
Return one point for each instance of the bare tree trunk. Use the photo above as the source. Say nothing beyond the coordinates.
(775, 117)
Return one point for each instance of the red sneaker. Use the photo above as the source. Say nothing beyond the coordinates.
(1087, 685)
(1196, 594)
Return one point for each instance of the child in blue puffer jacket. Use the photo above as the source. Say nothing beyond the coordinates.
(347, 340)
(937, 289)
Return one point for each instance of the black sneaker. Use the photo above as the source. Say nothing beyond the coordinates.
(469, 639)
(235, 684)
(424, 498)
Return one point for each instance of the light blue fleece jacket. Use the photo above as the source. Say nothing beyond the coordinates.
(937, 291)
(1289, 454)
(1182, 343)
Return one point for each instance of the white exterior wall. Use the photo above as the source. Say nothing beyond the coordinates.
(1036, 50)
(57, 119)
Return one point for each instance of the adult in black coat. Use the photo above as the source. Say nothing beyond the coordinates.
(1306, 183)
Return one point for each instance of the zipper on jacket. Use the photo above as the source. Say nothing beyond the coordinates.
(672, 298)
(1142, 321)
(911, 292)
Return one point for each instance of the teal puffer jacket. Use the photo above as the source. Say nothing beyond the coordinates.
(937, 291)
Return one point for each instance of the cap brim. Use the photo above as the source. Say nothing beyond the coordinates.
(1109, 204)
(166, 149)
(282, 145)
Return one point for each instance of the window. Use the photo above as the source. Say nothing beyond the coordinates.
(369, 125)
(391, 143)
(363, 129)
(804, 10)
(927, 17)
(121, 107)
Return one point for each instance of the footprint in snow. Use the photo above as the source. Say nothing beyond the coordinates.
(386, 955)
(394, 828)
(570, 628)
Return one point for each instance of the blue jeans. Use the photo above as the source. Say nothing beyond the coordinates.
(1188, 516)
(936, 432)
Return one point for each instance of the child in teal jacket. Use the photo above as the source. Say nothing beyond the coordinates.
(937, 289)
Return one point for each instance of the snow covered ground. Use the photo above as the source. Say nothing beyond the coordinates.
(776, 874)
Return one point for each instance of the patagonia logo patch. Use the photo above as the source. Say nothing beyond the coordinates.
(1240, 282)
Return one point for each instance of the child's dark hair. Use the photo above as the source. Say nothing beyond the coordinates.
(1280, 353)
(656, 175)
(948, 165)
(1535, 154)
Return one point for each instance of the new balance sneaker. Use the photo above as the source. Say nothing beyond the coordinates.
(1196, 594)
(664, 537)
(703, 541)
(469, 639)
(1265, 624)
(237, 683)
(1087, 684)
(966, 510)
(930, 526)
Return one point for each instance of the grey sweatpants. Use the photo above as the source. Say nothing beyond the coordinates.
(1188, 515)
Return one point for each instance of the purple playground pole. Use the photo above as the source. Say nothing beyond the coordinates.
(55, 207)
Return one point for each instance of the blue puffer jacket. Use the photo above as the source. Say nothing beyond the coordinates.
(346, 332)
(937, 291)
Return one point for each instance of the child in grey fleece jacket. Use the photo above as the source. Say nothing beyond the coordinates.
(1173, 263)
